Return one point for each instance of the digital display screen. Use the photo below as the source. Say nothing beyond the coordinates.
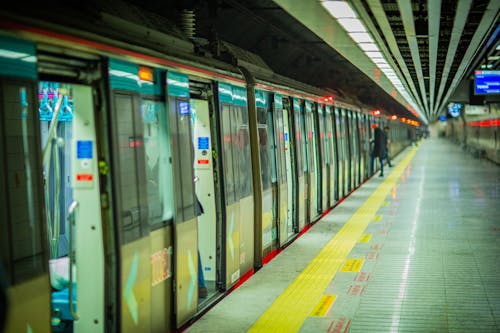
(486, 82)
(454, 109)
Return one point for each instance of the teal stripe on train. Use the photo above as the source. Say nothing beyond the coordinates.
(239, 96)
(225, 93)
(262, 99)
(17, 58)
(178, 84)
(278, 102)
(124, 75)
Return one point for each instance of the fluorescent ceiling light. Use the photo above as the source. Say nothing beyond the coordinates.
(493, 57)
(374, 54)
(339, 9)
(368, 46)
(383, 66)
(361, 37)
(352, 25)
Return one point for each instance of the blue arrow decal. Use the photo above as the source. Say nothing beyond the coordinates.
(192, 283)
(128, 292)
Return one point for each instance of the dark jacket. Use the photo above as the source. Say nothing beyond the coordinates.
(380, 142)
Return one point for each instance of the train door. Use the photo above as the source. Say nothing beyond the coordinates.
(237, 178)
(331, 157)
(144, 202)
(186, 258)
(362, 145)
(323, 158)
(355, 148)
(349, 130)
(289, 169)
(283, 168)
(23, 241)
(70, 153)
(345, 147)
(342, 179)
(268, 176)
(311, 153)
(72, 202)
(300, 158)
(208, 260)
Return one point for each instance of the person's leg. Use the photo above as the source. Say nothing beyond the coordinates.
(387, 158)
(381, 159)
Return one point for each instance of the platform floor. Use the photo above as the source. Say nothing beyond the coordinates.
(416, 251)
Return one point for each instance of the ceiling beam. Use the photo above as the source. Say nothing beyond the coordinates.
(490, 17)
(381, 18)
(405, 8)
(434, 10)
(463, 8)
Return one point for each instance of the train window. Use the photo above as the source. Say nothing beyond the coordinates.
(300, 145)
(158, 167)
(21, 232)
(280, 139)
(240, 125)
(183, 157)
(272, 147)
(322, 136)
(265, 149)
(227, 155)
(130, 153)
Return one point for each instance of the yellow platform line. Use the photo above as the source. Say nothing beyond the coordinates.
(293, 306)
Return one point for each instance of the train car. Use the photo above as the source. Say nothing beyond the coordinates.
(140, 187)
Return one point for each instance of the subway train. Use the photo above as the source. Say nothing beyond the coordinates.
(129, 175)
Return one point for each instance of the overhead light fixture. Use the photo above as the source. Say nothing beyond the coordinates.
(352, 25)
(361, 37)
(339, 9)
(346, 17)
(374, 54)
(493, 58)
(368, 46)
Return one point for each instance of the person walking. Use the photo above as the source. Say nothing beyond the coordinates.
(379, 147)
(387, 143)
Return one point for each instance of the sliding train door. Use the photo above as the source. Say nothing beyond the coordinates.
(331, 157)
(237, 178)
(208, 226)
(23, 241)
(288, 169)
(68, 97)
(268, 172)
(300, 159)
(322, 158)
(312, 162)
(342, 155)
(145, 204)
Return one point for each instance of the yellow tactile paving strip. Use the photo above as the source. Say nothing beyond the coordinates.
(294, 305)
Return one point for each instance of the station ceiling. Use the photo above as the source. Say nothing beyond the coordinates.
(431, 45)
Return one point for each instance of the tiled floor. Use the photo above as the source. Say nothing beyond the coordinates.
(432, 263)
